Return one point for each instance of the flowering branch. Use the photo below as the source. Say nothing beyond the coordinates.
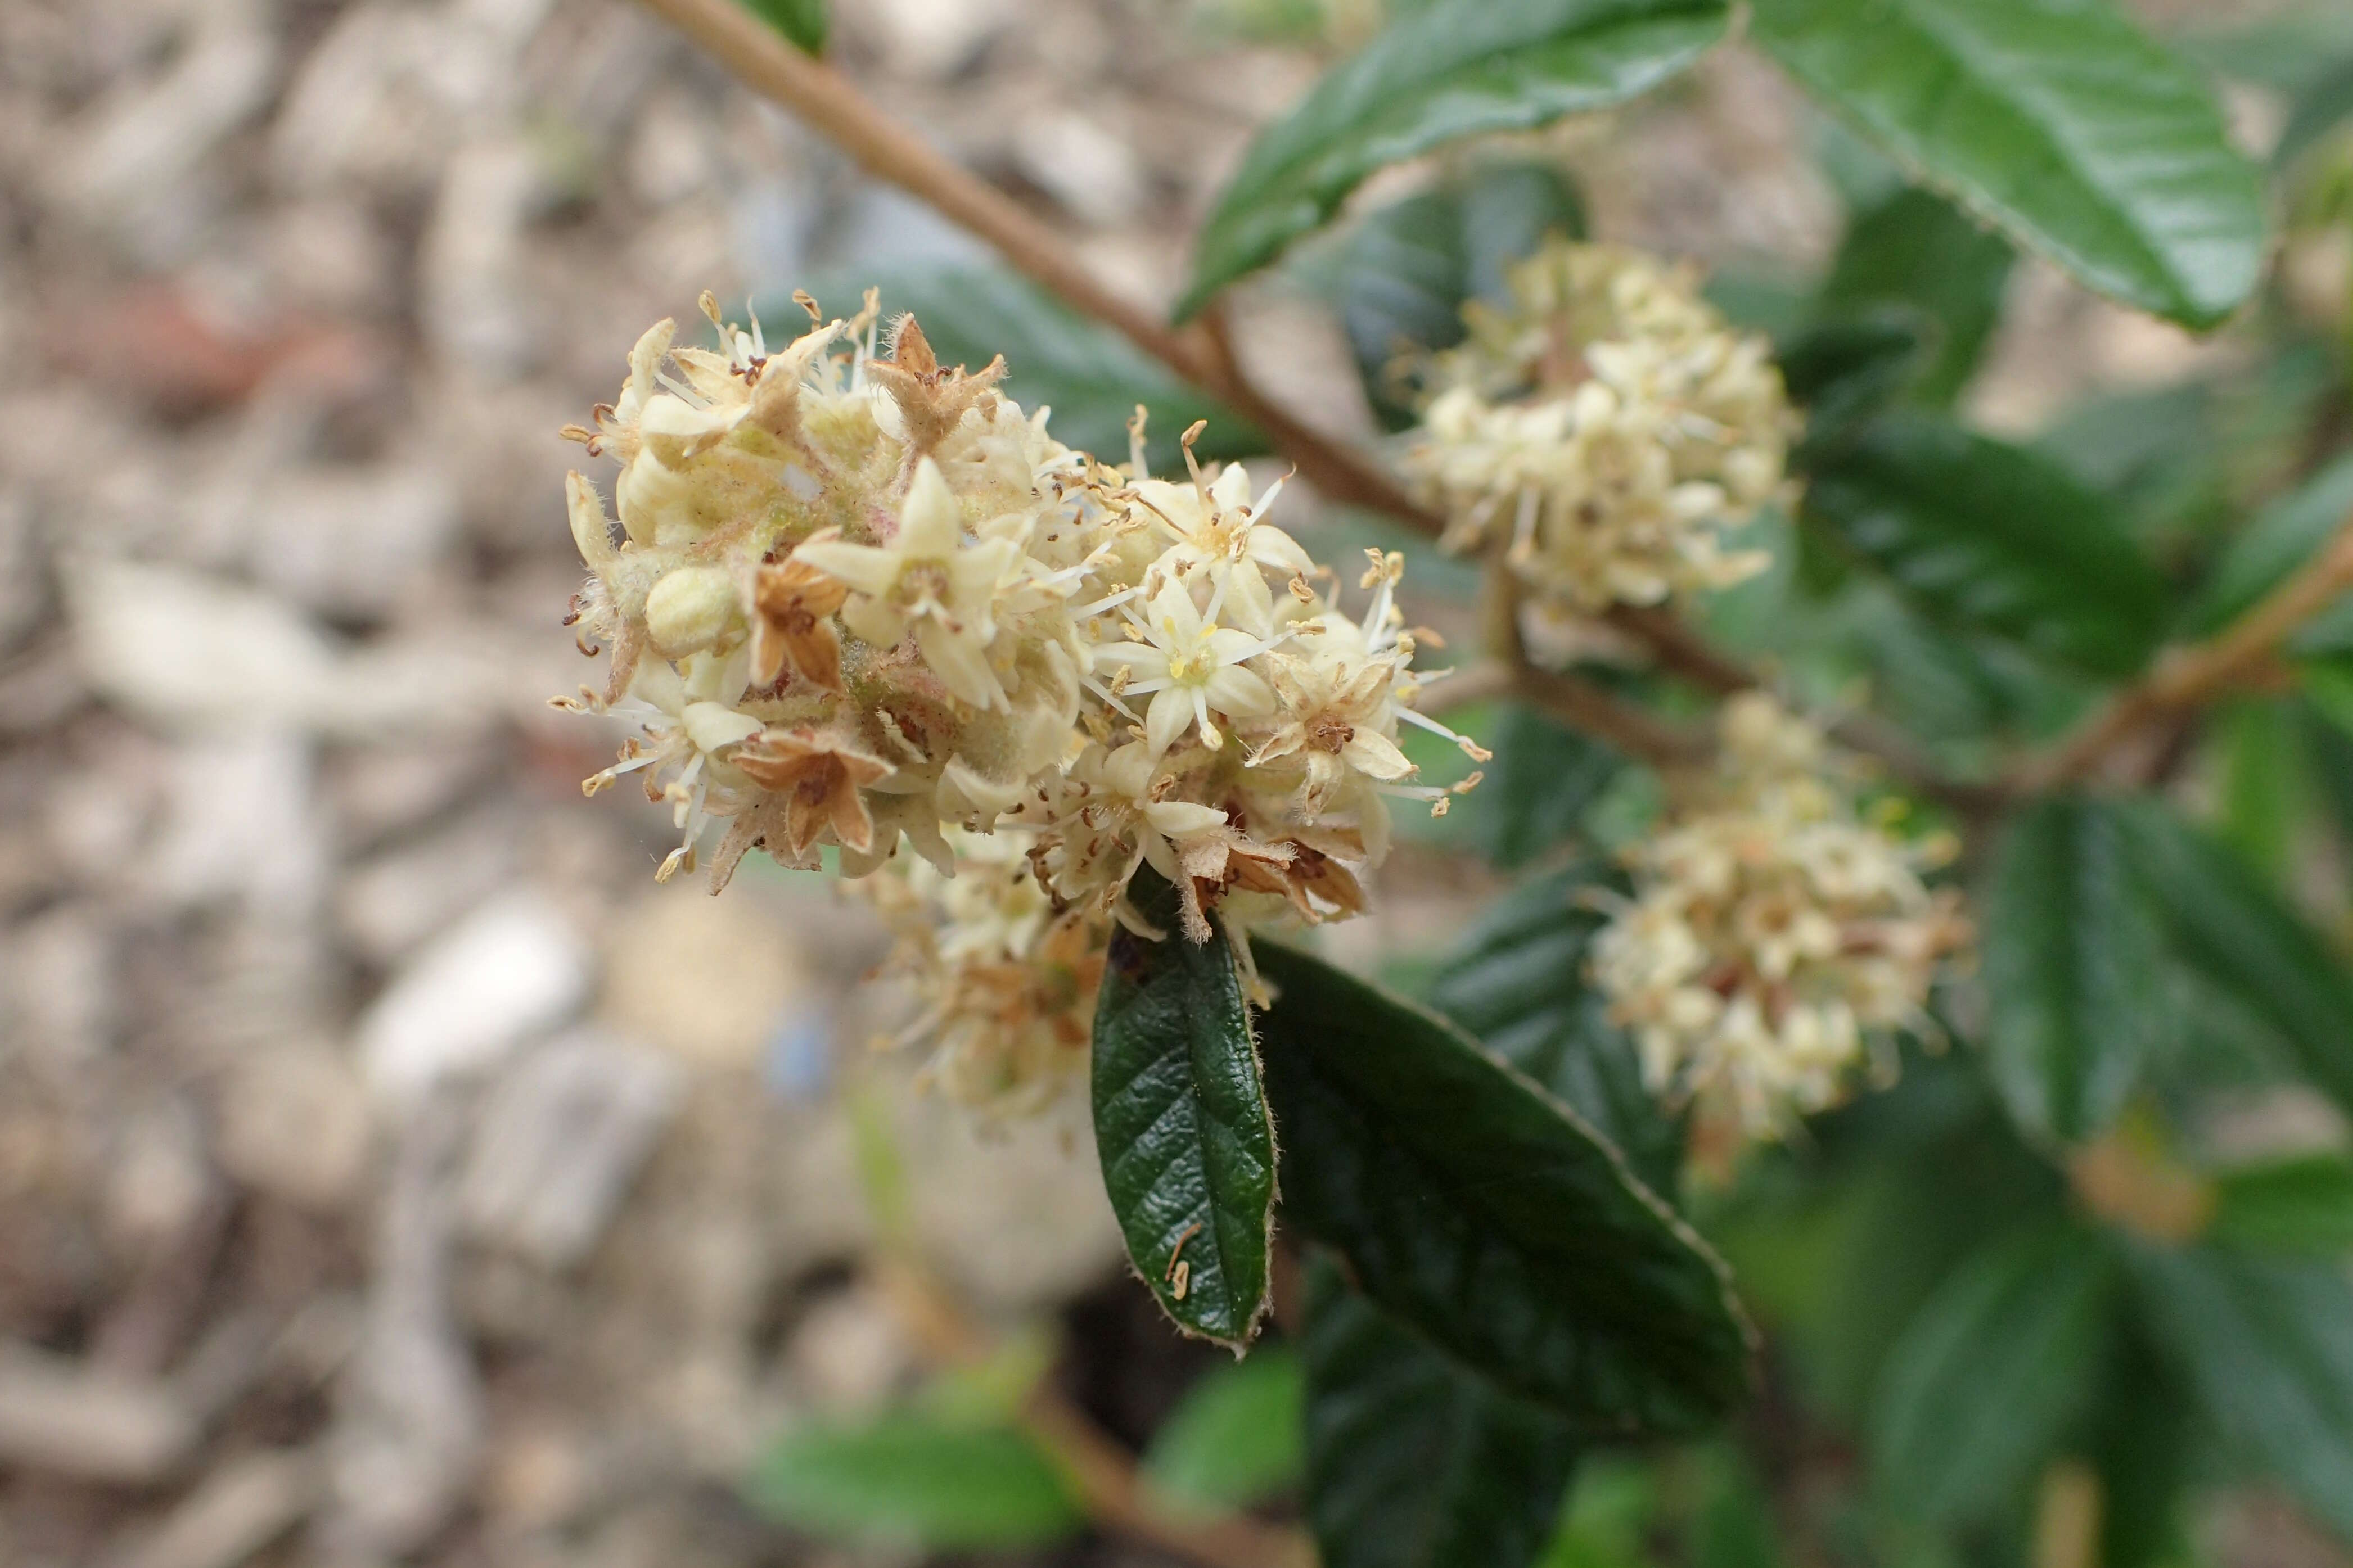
(2186, 677)
(888, 151)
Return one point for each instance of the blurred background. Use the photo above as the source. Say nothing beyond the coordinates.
(389, 1169)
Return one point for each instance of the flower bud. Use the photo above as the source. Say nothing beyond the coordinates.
(689, 609)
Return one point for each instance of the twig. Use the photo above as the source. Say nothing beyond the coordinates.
(2185, 678)
(887, 149)
(1577, 702)
(1199, 353)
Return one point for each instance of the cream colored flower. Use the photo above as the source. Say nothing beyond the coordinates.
(1607, 427)
(1772, 935)
(1189, 665)
(925, 577)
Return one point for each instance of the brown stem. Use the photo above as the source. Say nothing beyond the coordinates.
(1579, 703)
(888, 151)
(2186, 677)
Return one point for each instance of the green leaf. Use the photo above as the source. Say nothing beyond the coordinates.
(1459, 68)
(1519, 983)
(2282, 538)
(1488, 1214)
(1988, 536)
(1414, 1461)
(803, 23)
(2303, 1203)
(2268, 1345)
(1181, 1123)
(1234, 1439)
(2139, 1440)
(2262, 797)
(1408, 268)
(1845, 370)
(2243, 938)
(2075, 968)
(1916, 250)
(2056, 121)
(2319, 109)
(907, 1478)
(1545, 778)
(1984, 1382)
(1090, 376)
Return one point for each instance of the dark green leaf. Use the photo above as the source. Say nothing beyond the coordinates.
(1409, 268)
(2244, 940)
(802, 22)
(2263, 800)
(1847, 369)
(1414, 1461)
(1915, 251)
(2060, 122)
(905, 1479)
(1090, 376)
(1456, 70)
(2268, 1345)
(1519, 983)
(2304, 1203)
(2139, 1444)
(1984, 1382)
(2282, 538)
(1989, 536)
(1235, 1438)
(1181, 1122)
(1544, 779)
(1489, 1216)
(2320, 109)
(2075, 968)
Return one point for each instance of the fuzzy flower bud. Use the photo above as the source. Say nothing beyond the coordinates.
(1773, 938)
(1607, 427)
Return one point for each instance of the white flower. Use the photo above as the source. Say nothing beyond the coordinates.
(1771, 933)
(1188, 664)
(1610, 425)
(926, 577)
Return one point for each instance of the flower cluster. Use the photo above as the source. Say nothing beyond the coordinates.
(860, 599)
(1005, 983)
(1608, 425)
(1773, 937)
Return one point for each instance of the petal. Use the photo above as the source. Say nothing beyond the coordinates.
(1232, 487)
(853, 828)
(590, 532)
(1272, 547)
(931, 523)
(816, 654)
(1171, 711)
(1374, 754)
(1239, 693)
(657, 681)
(1177, 818)
(879, 623)
(861, 567)
(1143, 661)
(711, 725)
(960, 663)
